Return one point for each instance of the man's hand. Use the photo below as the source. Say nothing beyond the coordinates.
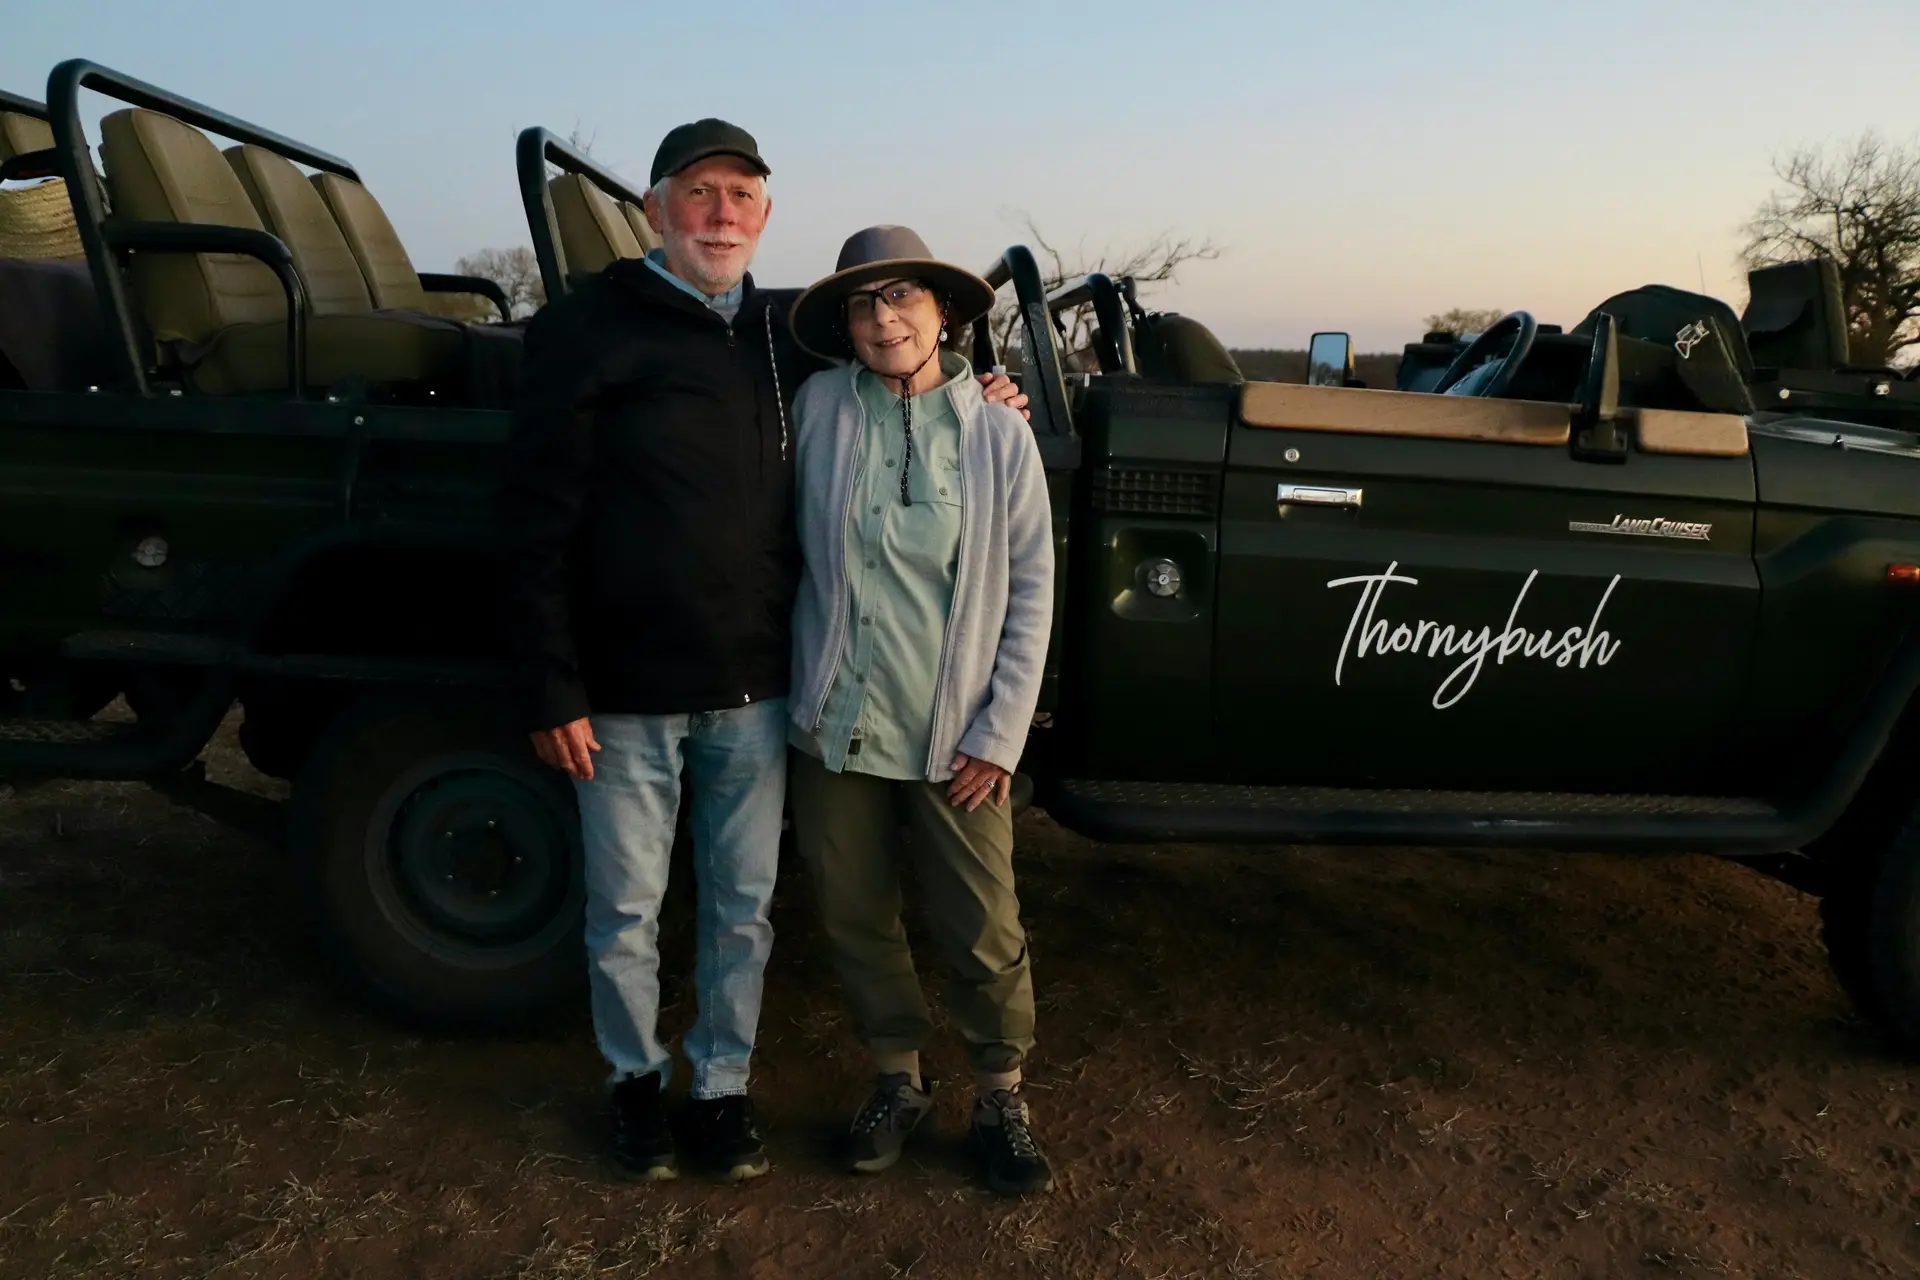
(977, 780)
(999, 389)
(566, 748)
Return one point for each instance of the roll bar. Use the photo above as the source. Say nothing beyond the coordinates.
(23, 106)
(73, 162)
(533, 151)
(1047, 385)
(1114, 344)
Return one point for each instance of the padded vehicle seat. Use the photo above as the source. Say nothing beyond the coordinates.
(21, 133)
(294, 211)
(223, 316)
(376, 246)
(642, 231)
(594, 230)
(1174, 348)
(1678, 346)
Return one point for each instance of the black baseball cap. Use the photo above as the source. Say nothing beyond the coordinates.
(710, 137)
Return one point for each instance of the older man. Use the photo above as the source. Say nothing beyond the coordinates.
(651, 566)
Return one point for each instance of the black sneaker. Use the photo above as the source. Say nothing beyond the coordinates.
(891, 1112)
(1004, 1137)
(724, 1137)
(642, 1140)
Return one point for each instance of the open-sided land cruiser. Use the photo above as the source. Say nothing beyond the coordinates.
(1648, 583)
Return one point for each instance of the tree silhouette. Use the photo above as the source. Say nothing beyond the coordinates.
(1154, 262)
(1463, 320)
(1860, 207)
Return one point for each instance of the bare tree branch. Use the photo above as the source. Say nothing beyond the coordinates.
(1154, 262)
(1861, 208)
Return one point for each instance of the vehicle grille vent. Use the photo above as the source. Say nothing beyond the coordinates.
(1159, 493)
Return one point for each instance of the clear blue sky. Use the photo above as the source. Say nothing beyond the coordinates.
(1362, 165)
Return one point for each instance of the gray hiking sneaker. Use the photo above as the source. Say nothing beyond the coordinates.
(1003, 1133)
(892, 1111)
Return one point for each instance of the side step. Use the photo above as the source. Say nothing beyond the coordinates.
(1228, 813)
(106, 750)
(28, 734)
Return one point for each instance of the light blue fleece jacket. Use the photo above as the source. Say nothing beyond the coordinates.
(995, 642)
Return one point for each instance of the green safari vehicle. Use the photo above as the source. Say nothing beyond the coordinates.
(1650, 583)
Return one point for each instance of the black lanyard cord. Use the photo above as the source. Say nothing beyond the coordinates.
(906, 423)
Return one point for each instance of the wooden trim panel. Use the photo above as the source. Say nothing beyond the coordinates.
(1294, 406)
(1714, 435)
(1297, 407)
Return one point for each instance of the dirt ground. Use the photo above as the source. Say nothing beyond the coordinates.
(1252, 1064)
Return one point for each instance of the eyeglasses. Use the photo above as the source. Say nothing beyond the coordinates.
(899, 295)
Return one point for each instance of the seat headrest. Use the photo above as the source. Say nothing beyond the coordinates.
(642, 231)
(384, 263)
(593, 231)
(294, 211)
(1796, 315)
(21, 133)
(160, 170)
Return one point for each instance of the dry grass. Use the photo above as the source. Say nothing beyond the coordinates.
(670, 1234)
(298, 1213)
(105, 1236)
(170, 1042)
(1257, 1089)
(1153, 1248)
(1020, 1228)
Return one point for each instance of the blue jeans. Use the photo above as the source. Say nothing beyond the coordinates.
(737, 774)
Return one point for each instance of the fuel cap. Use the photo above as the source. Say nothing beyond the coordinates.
(1163, 578)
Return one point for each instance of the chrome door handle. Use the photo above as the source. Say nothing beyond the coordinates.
(1318, 495)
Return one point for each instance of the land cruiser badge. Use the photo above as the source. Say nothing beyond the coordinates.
(1633, 527)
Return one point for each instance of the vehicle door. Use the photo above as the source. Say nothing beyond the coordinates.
(1433, 591)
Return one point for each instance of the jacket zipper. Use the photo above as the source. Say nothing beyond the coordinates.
(838, 636)
(959, 579)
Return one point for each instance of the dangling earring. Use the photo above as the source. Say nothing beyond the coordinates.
(943, 333)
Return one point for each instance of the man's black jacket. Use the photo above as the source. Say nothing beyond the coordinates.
(646, 509)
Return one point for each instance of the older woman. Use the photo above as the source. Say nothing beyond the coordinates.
(919, 635)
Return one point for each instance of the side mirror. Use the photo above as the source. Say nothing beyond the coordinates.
(1329, 360)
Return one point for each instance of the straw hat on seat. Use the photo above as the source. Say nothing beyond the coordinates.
(37, 222)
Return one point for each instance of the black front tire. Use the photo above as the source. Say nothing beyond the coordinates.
(1870, 921)
(442, 862)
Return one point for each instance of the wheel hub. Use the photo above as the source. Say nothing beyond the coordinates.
(480, 856)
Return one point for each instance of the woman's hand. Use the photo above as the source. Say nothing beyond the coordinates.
(999, 389)
(977, 780)
(566, 748)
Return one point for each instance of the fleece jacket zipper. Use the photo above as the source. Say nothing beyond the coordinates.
(836, 638)
(961, 565)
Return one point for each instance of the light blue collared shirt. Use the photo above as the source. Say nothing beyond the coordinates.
(901, 562)
(727, 304)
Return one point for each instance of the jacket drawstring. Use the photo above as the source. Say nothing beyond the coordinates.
(906, 423)
(779, 400)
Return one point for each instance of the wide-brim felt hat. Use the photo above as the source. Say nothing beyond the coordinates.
(881, 253)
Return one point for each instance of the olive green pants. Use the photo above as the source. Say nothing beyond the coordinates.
(847, 827)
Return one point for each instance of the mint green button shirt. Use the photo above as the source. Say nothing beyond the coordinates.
(900, 565)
